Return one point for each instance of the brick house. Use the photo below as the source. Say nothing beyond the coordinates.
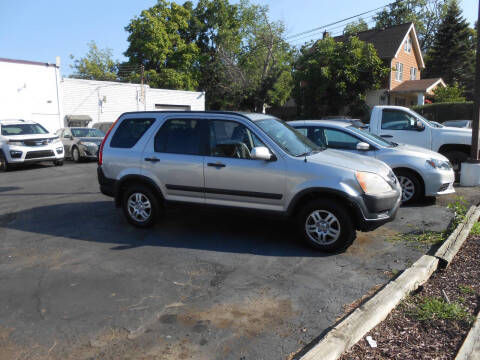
(398, 46)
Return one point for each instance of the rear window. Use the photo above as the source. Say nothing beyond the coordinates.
(129, 132)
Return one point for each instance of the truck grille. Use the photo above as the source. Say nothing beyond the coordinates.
(37, 142)
(39, 154)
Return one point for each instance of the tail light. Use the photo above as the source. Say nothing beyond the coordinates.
(100, 150)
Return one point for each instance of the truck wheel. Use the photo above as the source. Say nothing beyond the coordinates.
(58, 163)
(140, 206)
(76, 155)
(326, 226)
(456, 157)
(3, 162)
(411, 186)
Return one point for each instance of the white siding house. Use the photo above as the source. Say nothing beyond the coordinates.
(35, 91)
(30, 90)
(106, 101)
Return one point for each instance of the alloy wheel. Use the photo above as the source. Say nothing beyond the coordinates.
(408, 188)
(322, 227)
(139, 207)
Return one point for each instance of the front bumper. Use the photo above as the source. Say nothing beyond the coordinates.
(89, 152)
(439, 182)
(16, 154)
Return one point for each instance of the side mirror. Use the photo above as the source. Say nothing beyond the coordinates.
(260, 153)
(419, 125)
(363, 146)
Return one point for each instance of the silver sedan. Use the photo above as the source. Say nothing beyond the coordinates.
(421, 172)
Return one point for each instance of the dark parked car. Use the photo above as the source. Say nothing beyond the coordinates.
(81, 142)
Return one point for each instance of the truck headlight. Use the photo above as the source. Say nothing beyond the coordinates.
(13, 142)
(438, 164)
(372, 184)
(89, 144)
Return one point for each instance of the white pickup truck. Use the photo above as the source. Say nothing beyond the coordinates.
(402, 125)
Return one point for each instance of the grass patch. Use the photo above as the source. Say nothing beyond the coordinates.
(476, 229)
(465, 289)
(460, 208)
(433, 308)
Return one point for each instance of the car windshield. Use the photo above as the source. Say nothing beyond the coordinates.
(290, 140)
(372, 137)
(431, 123)
(87, 132)
(23, 129)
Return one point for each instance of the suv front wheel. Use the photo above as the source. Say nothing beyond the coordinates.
(140, 206)
(326, 226)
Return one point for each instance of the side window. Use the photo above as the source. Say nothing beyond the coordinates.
(67, 133)
(182, 136)
(302, 130)
(337, 139)
(315, 134)
(129, 132)
(397, 120)
(232, 139)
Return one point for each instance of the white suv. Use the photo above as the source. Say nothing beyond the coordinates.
(23, 141)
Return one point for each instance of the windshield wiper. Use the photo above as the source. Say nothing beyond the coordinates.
(311, 152)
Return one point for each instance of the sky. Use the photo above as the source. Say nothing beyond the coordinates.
(41, 30)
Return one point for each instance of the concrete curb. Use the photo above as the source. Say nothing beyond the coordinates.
(456, 239)
(348, 332)
(470, 349)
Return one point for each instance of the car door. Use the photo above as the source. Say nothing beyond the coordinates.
(232, 177)
(175, 157)
(67, 141)
(399, 126)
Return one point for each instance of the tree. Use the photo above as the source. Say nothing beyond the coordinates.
(97, 64)
(332, 75)
(452, 56)
(157, 40)
(356, 27)
(425, 14)
(449, 94)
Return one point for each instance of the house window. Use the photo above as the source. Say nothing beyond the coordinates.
(413, 73)
(399, 73)
(408, 45)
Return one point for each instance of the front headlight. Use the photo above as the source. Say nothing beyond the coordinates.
(13, 142)
(438, 164)
(372, 184)
(89, 144)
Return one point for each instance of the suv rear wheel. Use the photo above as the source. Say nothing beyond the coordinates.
(140, 206)
(326, 226)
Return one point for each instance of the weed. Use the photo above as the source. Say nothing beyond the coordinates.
(432, 308)
(465, 289)
(460, 208)
(476, 229)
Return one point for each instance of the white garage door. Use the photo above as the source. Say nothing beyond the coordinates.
(164, 107)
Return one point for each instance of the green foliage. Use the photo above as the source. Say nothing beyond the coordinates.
(157, 40)
(452, 56)
(425, 14)
(449, 94)
(441, 112)
(465, 289)
(433, 308)
(460, 209)
(97, 64)
(476, 229)
(356, 27)
(331, 75)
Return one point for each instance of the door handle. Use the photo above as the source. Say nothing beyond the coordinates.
(154, 159)
(386, 136)
(217, 165)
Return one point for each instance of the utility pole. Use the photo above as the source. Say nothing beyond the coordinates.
(476, 111)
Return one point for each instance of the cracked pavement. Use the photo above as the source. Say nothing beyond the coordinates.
(77, 282)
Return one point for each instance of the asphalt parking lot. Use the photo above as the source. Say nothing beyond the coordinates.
(77, 282)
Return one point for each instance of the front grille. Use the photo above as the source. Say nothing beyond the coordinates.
(37, 142)
(443, 187)
(39, 154)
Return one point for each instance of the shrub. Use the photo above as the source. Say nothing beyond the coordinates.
(441, 112)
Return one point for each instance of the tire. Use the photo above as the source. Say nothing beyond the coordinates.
(58, 163)
(3, 162)
(76, 155)
(331, 227)
(140, 206)
(456, 157)
(412, 189)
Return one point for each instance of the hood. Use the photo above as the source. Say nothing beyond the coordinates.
(416, 151)
(30, 137)
(95, 140)
(453, 135)
(351, 161)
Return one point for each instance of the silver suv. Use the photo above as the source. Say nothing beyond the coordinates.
(248, 161)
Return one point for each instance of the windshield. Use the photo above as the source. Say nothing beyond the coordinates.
(23, 129)
(290, 140)
(87, 132)
(431, 123)
(372, 137)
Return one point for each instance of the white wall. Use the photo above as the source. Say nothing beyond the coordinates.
(29, 91)
(374, 97)
(106, 101)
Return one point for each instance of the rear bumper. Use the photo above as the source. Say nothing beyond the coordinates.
(107, 186)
